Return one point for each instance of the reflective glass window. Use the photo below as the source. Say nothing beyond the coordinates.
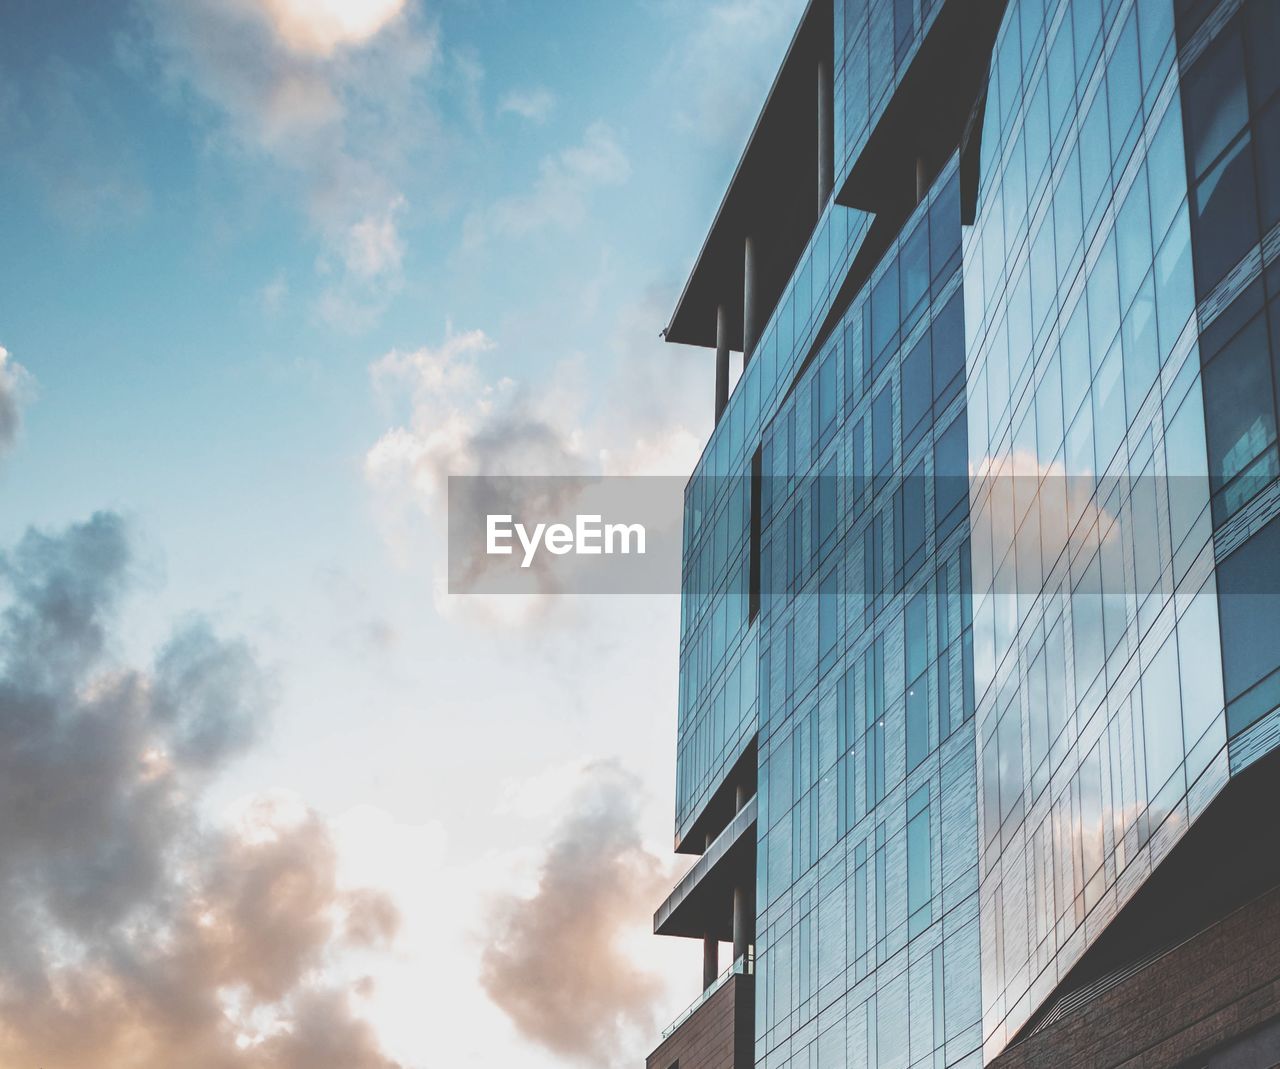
(947, 334)
(917, 392)
(1239, 411)
(1226, 215)
(1249, 605)
(884, 312)
(1162, 715)
(914, 273)
(882, 430)
(1214, 95)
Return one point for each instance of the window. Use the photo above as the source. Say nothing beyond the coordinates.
(912, 515)
(1086, 627)
(884, 314)
(919, 862)
(874, 721)
(1167, 166)
(854, 368)
(824, 515)
(903, 30)
(951, 477)
(1175, 292)
(1049, 414)
(1141, 345)
(882, 430)
(1095, 164)
(1267, 148)
(991, 788)
(1055, 663)
(1010, 740)
(1249, 606)
(1226, 215)
(1239, 412)
(1262, 36)
(1162, 715)
(917, 393)
(917, 720)
(914, 273)
(1108, 408)
(1038, 711)
(822, 401)
(1133, 239)
(1123, 91)
(944, 231)
(1104, 302)
(1215, 99)
(829, 624)
(915, 625)
(947, 351)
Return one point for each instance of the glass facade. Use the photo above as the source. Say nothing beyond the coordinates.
(982, 557)
(866, 920)
(1118, 420)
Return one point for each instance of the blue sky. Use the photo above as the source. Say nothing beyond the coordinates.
(272, 268)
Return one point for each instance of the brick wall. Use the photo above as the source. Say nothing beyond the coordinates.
(717, 1036)
(1219, 985)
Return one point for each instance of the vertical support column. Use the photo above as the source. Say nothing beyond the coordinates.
(722, 360)
(826, 134)
(741, 922)
(710, 944)
(710, 960)
(750, 319)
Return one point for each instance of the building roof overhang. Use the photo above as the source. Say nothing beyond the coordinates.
(701, 903)
(773, 197)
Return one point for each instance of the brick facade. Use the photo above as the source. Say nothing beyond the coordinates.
(717, 1035)
(1203, 995)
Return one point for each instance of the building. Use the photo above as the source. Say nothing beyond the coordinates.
(979, 725)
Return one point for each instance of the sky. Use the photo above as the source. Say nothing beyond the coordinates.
(273, 270)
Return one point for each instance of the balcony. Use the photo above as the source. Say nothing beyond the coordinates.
(715, 1031)
(702, 902)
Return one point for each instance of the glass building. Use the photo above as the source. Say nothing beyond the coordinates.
(979, 722)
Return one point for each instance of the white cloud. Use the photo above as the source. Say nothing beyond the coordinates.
(135, 931)
(321, 26)
(535, 104)
(557, 960)
(374, 247)
(329, 94)
(559, 197)
(14, 385)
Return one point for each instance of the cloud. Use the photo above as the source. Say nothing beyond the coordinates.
(461, 423)
(319, 27)
(134, 932)
(556, 962)
(328, 93)
(725, 58)
(560, 194)
(534, 104)
(457, 415)
(13, 385)
(660, 398)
